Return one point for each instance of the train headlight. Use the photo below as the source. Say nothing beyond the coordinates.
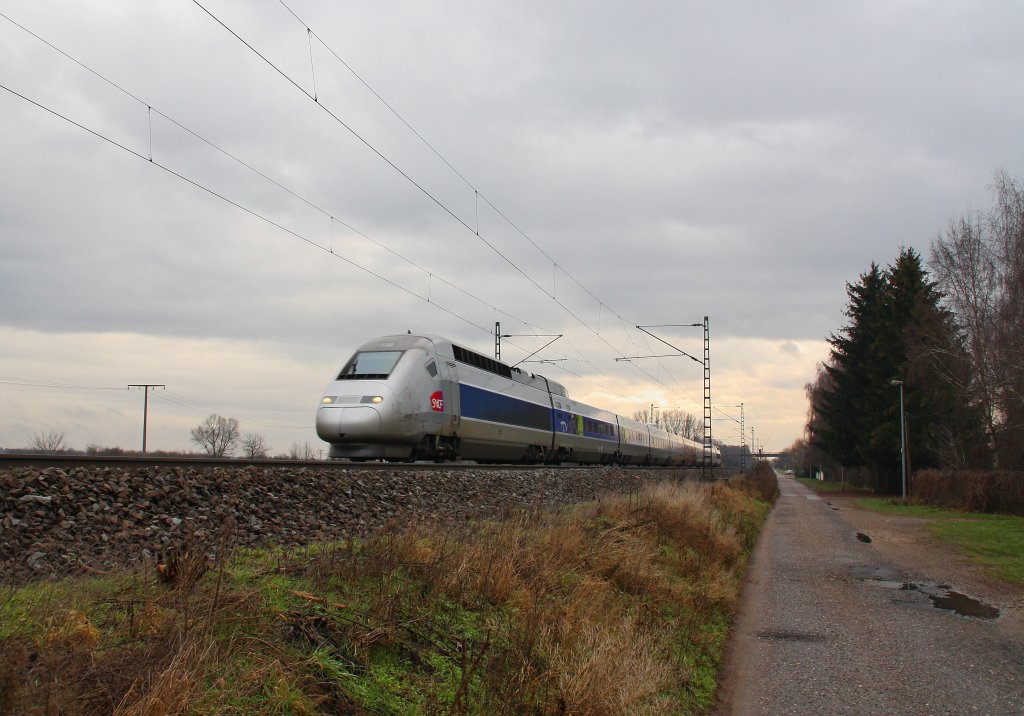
(329, 399)
(375, 399)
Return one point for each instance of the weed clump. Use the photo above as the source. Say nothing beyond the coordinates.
(760, 481)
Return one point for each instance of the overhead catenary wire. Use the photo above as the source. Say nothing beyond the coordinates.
(377, 95)
(556, 266)
(420, 187)
(242, 207)
(330, 248)
(725, 414)
(426, 192)
(313, 205)
(249, 211)
(440, 156)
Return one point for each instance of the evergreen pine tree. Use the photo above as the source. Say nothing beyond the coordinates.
(842, 407)
(897, 330)
(944, 426)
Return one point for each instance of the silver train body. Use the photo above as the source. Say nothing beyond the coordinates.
(409, 397)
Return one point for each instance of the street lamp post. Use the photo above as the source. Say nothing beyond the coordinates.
(903, 440)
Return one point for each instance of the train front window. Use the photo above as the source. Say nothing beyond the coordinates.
(370, 365)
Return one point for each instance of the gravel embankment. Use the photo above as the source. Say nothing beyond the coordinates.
(56, 521)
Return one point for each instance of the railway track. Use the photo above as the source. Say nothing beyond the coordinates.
(8, 460)
(39, 460)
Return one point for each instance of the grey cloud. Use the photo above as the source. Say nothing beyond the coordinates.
(680, 159)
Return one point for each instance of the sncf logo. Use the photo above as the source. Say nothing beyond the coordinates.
(437, 402)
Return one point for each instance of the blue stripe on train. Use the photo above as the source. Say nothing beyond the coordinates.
(482, 404)
(587, 427)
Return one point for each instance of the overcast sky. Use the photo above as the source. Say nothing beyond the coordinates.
(580, 168)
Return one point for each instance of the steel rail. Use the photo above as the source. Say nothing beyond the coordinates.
(9, 460)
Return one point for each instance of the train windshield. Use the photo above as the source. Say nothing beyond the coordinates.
(370, 365)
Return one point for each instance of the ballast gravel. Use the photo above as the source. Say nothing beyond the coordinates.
(60, 521)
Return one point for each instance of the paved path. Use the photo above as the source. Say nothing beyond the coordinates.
(824, 629)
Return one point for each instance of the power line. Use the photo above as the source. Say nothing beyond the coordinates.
(367, 143)
(427, 272)
(422, 189)
(180, 401)
(166, 396)
(242, 207)
(378, 96)
(33, 383)
(447, 163)
(329, 249)
(150, 109)
(246, 209)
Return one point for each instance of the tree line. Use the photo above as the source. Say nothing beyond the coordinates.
(216, 436)
(673, 420)
(951, 334)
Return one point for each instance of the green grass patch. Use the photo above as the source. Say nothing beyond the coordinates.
(994, 541)
(830, 486)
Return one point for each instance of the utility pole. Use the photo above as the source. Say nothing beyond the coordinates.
(145, 406)
(498, 335)
(743, 441)
(903, 439)
(707, 471)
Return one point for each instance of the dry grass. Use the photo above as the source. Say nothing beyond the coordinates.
(613, 607)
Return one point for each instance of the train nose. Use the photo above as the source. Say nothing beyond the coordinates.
(350, 424)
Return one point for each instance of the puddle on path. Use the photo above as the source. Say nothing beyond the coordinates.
(863, 537)
(940, 595)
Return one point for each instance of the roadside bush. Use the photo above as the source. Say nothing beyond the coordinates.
(759, 481)
(998, 491)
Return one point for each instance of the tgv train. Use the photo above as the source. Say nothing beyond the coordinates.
(412, 397)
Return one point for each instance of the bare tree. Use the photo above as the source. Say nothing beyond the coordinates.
(216, 435)
(254, 446)
(302, 452)
(686, 424)
(963, 262)
(52, 441)
(674, 420)
(979, 266)
(1007, 226)
(644, 416)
